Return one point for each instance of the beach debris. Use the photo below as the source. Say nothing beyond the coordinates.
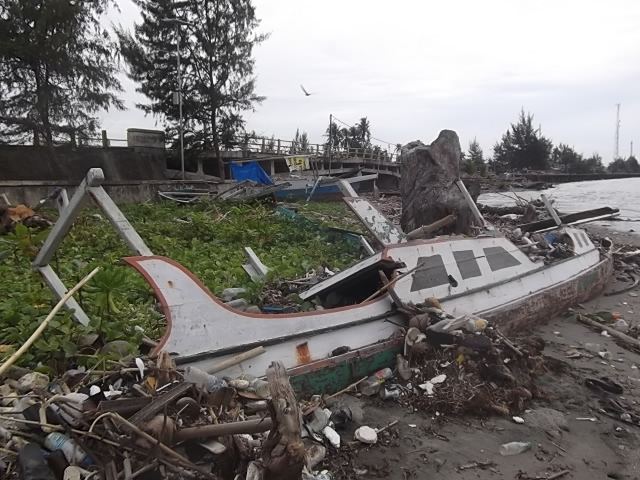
(366, 435)
(514, 448)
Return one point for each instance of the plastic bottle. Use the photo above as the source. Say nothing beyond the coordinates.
(372, 385)
(261, 388)
(210, 383)
(514, 448)
(73, 453)
(404, 370)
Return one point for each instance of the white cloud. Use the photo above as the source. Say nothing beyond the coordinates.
(415, 67)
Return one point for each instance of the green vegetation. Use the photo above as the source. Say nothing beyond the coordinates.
(216, 41)
(207, 238)
(474, 163)
(620, 165)
(57, 69)
(522, 147)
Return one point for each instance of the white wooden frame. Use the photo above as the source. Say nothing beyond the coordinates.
(89, 189)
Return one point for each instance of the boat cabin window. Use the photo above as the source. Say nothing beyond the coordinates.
(467, 264)
(356, 287)
(431, 273)
(499, 258)
(579, 240)
(585, 239)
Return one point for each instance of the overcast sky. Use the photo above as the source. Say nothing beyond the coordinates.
(416, 67)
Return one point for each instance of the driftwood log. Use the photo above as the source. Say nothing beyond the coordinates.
(428, 188)
(283, 453)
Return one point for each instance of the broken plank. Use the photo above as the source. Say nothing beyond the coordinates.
(382, 229)
(159, 403)
(124, 405)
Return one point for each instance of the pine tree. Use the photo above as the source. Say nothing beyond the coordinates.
(522, 147)
(476, 157)
(216, 39)
(57, 69)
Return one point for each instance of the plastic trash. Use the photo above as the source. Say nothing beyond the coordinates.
(404, 370)
(366, 435)
(514, 448)
(71, 408)
(475, 324)
(210, 383)
(621, 325)
(33, 465)
(73, 453)
(373, 384)
(332, 436)
(323, 475)
(390, 391)
(261, 388)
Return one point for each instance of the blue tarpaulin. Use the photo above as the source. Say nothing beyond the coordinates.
(250, 171)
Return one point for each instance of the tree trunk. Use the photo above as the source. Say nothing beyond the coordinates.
(283, 453)
(428, 188)
(216, 147)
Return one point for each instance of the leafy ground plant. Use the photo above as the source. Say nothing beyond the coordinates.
(207, 238)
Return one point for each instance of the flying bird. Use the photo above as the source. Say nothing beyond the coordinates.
(305, 92)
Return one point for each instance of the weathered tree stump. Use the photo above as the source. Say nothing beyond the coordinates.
(428, 188)
(283, 453)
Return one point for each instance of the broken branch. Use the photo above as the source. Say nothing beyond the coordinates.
(34, 336)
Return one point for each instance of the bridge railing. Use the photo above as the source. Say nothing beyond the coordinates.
(373, 155)
(289, 147)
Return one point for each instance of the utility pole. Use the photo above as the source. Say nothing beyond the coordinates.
(330, 140)
(177, 23)
(616, 152)
(180, 100)
(631, 153)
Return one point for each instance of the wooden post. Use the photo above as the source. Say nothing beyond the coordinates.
(272, 164)
(278, 145)
(283, 453)
(262, 149)
(105, 140)
(330, 140)
(551, 210)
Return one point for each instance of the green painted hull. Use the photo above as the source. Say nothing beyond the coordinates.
(335, 373)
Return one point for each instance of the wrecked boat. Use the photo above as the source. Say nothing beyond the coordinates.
(487, 275)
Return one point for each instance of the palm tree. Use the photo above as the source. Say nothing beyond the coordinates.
(364, 132)
(304, 143)
(344, 133)
(334, 136)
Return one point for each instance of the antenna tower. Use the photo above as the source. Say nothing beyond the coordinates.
(616, 152)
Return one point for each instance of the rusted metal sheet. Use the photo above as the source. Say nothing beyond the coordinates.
(303, 355)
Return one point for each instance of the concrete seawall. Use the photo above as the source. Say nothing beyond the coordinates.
(30, 192)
